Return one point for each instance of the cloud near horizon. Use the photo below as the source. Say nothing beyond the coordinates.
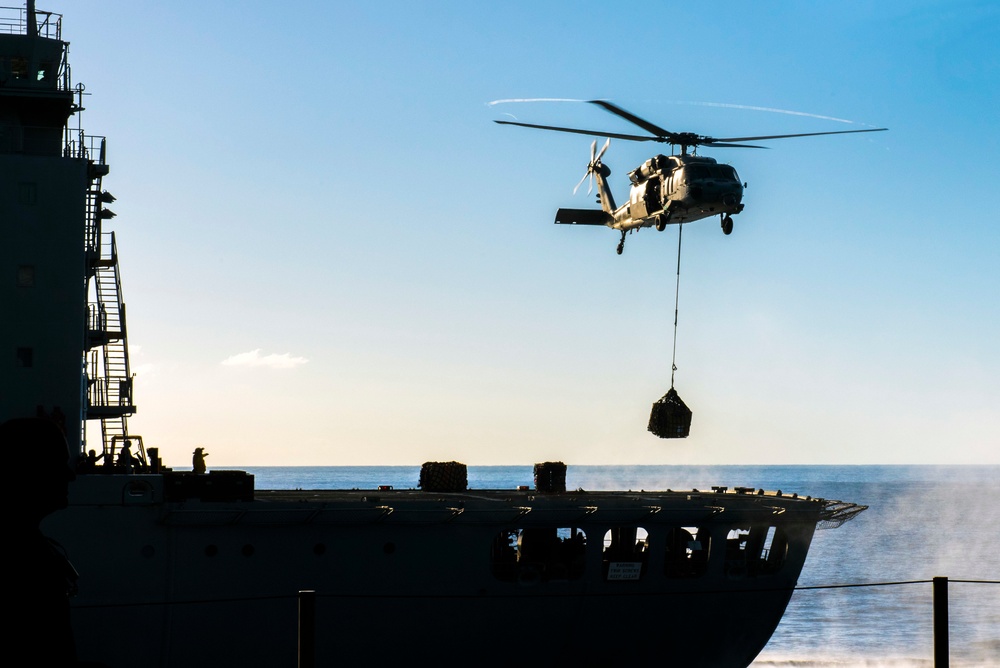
(272, 361)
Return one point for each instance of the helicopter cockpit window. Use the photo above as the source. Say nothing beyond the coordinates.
(724, 172)
(695, 173)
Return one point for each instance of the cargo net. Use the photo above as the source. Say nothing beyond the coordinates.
(550, 477)
(670, 417)
(444, 477)
(837, 512)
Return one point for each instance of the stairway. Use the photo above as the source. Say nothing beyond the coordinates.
(108, 374)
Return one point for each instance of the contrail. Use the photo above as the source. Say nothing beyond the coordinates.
(722, 105)
(532, 99)
(770, 109)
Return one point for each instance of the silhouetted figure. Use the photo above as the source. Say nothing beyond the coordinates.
(88, 464)
(126, 461)
(198, 460)
(38, 578)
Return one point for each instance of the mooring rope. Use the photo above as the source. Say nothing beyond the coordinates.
(677, 294)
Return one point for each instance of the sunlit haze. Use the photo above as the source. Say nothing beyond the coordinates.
(331, 254)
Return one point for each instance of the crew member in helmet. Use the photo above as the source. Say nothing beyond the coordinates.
(198, 461)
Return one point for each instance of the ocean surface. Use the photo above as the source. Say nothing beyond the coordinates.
(922, 522)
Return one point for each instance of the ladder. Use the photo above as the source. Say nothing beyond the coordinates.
(108, 371)
(109, 379)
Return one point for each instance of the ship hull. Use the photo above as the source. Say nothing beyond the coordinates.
(406, 575)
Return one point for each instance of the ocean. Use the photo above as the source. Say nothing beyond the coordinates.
(922, 522)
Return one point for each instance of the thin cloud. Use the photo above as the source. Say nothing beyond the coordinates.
(272, 361)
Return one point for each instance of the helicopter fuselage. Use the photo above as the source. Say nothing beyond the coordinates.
(674, 189)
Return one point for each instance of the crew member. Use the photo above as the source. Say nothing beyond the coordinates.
(198, 461)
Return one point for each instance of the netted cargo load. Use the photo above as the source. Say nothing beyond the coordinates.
(670, 417)
(444, 477)
(550, 477)
(836, 513)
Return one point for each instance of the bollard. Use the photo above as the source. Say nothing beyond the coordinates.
(940, 622)
(307, 628)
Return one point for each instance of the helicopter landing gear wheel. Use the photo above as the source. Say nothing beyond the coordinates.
(727, 225)
(661, 222)
(621, 244)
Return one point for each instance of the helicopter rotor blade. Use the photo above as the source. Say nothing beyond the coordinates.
(714, 141)
(632, 118)
(590, 168)
(592, 133)
(595, 158)
(682, 139)
(715, 144)
(590, 186)
(603, 149)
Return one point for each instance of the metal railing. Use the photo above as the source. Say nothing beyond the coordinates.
(97, 318)
(76, 144)
(14, 21)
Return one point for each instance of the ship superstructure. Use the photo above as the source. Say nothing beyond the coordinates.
(65, 344)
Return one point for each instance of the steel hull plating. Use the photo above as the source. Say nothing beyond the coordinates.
(405, 574)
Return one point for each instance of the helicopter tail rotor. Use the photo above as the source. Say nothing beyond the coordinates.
(594, 166)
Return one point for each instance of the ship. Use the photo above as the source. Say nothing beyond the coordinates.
(184, 568)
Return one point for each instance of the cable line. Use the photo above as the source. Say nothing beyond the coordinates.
(677, 295)
(670, 417)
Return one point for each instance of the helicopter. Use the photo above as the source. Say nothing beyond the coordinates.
(665, 190)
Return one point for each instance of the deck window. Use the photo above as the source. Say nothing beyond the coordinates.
(625, 553)
(45, 71)
(539, 554)
(19, 67)
(755, 550)
(687, 552)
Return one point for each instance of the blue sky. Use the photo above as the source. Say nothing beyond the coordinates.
(332, 255)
